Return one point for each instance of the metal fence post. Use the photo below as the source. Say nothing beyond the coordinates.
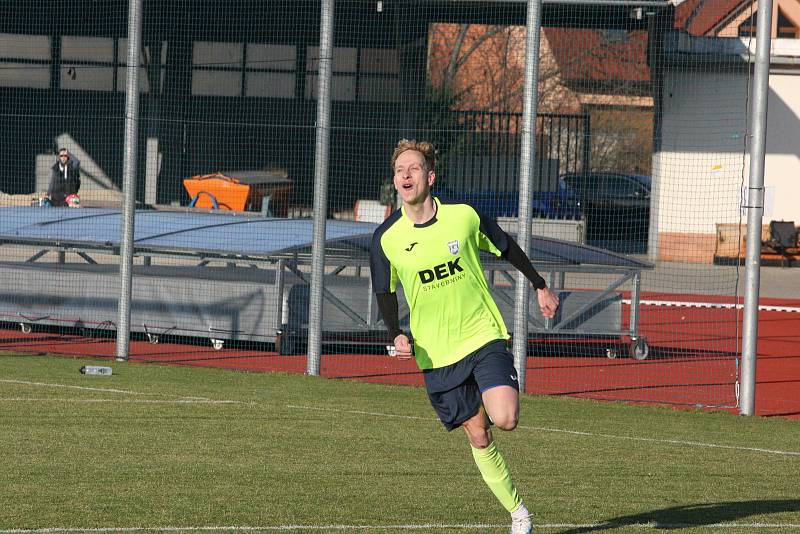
(129, 178)
(320, 188)
(527, 159)
(755, 205)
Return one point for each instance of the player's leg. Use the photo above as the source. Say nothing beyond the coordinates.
(497, 380)
(494, 471)
(456, 397)
(478, 430)
(496, 377)
(490, 461)
(502, 406)
(459, 404)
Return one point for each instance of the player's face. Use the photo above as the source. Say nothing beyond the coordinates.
(412, 179)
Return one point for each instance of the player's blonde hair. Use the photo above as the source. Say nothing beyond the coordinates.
(425, 148)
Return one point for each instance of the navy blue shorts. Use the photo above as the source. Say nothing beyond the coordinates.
(455, 390)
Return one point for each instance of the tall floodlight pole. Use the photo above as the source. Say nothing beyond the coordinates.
(527, 158)
(755, 207)
(320, 188)
(129, 178)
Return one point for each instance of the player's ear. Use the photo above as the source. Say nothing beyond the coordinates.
(431, 178)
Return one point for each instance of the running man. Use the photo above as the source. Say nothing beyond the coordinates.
(432, 249)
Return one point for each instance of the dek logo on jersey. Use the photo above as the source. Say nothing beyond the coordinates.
(441, 271)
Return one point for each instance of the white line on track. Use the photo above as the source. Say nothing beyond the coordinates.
(720, 305)
(573, 432)
(245, 528)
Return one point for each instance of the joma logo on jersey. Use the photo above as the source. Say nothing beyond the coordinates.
(441, 271)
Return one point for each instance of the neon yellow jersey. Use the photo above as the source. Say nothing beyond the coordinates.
(439, 267)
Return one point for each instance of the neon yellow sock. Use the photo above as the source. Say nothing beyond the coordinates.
(495, 473)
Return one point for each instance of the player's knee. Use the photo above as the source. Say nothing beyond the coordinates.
(506, 421)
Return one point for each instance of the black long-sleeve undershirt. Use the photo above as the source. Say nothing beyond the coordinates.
(519, 259)
(387, 304)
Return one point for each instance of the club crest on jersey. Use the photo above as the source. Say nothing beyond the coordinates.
(453, 245)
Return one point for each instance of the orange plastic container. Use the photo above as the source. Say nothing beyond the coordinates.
(241, 191)
(228, 192)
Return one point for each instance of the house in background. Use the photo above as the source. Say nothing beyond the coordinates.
(736, 18)
(604, 73)
(701, 154)
(600, 73)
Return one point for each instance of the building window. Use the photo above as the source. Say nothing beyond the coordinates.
(748, 27)
(270, 70)
(359, 74)
(87, 63)
(343, 82)
(786, 29)
(217, 68)
(243, 69)
(25, 60)
(146, 60)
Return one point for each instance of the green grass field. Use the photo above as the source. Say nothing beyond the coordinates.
(166, 449)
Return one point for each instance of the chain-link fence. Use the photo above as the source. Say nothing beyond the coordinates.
(639, 152)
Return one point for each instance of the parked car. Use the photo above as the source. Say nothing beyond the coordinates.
(561, 204)
(616, 206)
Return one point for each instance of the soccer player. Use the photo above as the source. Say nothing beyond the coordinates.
(432, 249)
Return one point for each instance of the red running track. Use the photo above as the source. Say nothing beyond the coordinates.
(692, 361)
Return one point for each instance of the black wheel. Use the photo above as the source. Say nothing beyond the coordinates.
(639, 349)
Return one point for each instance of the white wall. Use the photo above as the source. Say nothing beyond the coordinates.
(782, 166)
(703, 163)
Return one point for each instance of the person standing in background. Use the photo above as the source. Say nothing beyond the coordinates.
(65, 179)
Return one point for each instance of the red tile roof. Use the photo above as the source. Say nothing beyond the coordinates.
(699, 17)
(591, 54)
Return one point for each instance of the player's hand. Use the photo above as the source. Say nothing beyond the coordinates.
(548, 302)
(402, 347)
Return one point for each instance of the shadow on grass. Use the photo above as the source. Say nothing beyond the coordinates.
(695, 515)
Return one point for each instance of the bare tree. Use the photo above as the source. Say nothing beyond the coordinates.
(481, 67)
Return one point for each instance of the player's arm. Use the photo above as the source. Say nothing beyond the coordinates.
(513, 253)
(384, 287)
(387, 304)
(548, 301)
(516, 257)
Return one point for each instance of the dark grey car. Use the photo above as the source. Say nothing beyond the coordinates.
(616, 206)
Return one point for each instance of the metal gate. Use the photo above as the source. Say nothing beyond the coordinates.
(481, 160)
(484, 156)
